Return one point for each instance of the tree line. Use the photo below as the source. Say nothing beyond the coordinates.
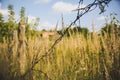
(8, 27)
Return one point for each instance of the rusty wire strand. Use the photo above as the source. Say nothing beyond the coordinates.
(85, 10)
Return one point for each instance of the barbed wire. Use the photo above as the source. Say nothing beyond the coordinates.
(90, 7)
(85, 9)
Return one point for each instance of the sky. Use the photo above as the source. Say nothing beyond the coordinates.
(50, 11)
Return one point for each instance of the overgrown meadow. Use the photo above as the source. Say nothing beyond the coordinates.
(80, 55)
(94, 57)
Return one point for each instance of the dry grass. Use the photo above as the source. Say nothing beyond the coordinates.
(74, 58)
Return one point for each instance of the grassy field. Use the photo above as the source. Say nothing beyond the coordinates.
(96, 57)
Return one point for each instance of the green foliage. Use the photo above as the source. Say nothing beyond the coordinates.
(22, 13)
(76, 30)
(112, 28)
(1, 18)
(27, 32)
(82, 30)
(7, 29)
(11, 13)
(35, 25)
(43, 30)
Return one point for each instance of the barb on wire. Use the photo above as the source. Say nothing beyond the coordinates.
(79, 11)
(86, 9)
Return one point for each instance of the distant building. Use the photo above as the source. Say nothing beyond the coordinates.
(47, 34)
